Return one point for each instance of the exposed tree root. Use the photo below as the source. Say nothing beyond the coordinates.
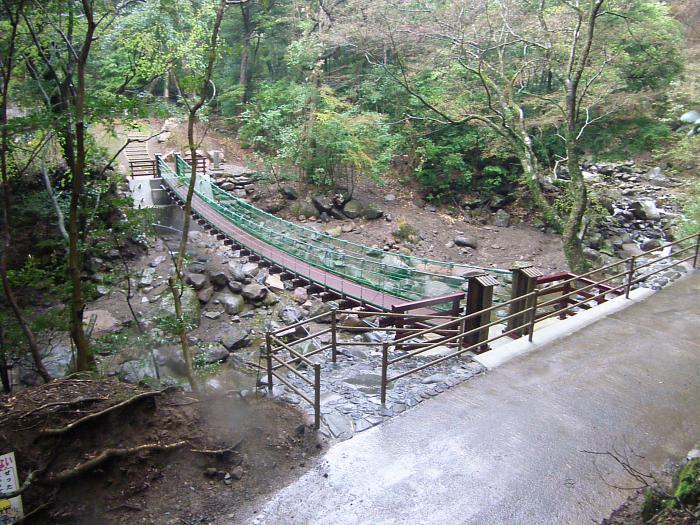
(103, 456)
(61, 403)
(96, 415)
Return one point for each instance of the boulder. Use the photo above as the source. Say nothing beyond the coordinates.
(274, 205)
(235, 287)
(105, 322)
(219, 279)
(254, 292)
(501, 219)
(301, 295)
(147, 277)
(291, 314)
(322, 203)
(236, 271)
(233, 304)
(271, 299)
(656, 177)
(465, 242)
(171, 356)
(136, 371)
(390, 198)
(353, 209)
(205, 294)
(651, 244)
(196, 280)
(289, 192)
(645, 210)
(371, 212)
(214, 354)
(235, 339)
(436, 289)
(250, 269)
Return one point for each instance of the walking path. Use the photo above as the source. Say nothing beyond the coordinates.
(508, 447)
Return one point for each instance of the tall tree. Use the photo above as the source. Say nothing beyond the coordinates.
(11, 17)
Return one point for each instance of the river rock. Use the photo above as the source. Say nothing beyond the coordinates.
(147, 277)
(465, 242)
(235, 339)
(656, 177)
(250, 269)
(205, 294)
(254, 292)
(233, 304)
(219, 279)
(291, 314)
(651, 244)
(196, 280)
(236, 271)
(136, 371)
(353, 209)
(645, 210)
(171, 356)
(105, 322)
(214, 354)
(289, 193)
(501, 219)
(371, 212)
(322, 203)
(235, 287)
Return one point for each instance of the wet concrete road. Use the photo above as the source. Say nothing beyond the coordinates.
(508, 447)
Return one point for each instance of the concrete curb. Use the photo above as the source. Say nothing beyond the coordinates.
(548, 334)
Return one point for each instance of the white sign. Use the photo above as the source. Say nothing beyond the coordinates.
(10, 509)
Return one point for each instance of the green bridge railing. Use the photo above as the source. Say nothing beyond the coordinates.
(404, 276)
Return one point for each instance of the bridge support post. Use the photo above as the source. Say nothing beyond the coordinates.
(157, 164)
(334, 334)
(268, 357)
(524, 283)
(479, 297)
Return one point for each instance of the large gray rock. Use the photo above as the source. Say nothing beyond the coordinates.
(291, 315)
(371, 212)
(196, 280)
(656, 177)
(353, 209)
(171, 356)
(136, 371)
(219, 279)
(250, 269)
(233, 304)
(322, 203)
(645, 210)
(465, 242)
(254, 292)
(105, 322)
(214, 354)
(436, 289)
(501, 219)
(147, 277)
(236, 271)
(289, 192)
(236, 338)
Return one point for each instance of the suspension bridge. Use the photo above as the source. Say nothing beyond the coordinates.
(364, 274)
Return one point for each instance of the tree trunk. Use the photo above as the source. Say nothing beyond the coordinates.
(573, 248)
(243, 77)
(7, 201)
(85, 360)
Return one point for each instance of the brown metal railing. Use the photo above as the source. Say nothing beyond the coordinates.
(570, 292)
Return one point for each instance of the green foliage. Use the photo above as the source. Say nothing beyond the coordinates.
(688, 489)
(202, 368)
(406, 232)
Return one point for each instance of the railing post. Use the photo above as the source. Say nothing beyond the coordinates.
(524, 282)
(630, 277)
(479, 298)
(268, 356)
(385, 365)
(697, 251)
(317, 396)
(334, 339)
(158, 172)
(533, 317)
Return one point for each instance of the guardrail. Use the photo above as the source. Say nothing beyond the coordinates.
(576, 291)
